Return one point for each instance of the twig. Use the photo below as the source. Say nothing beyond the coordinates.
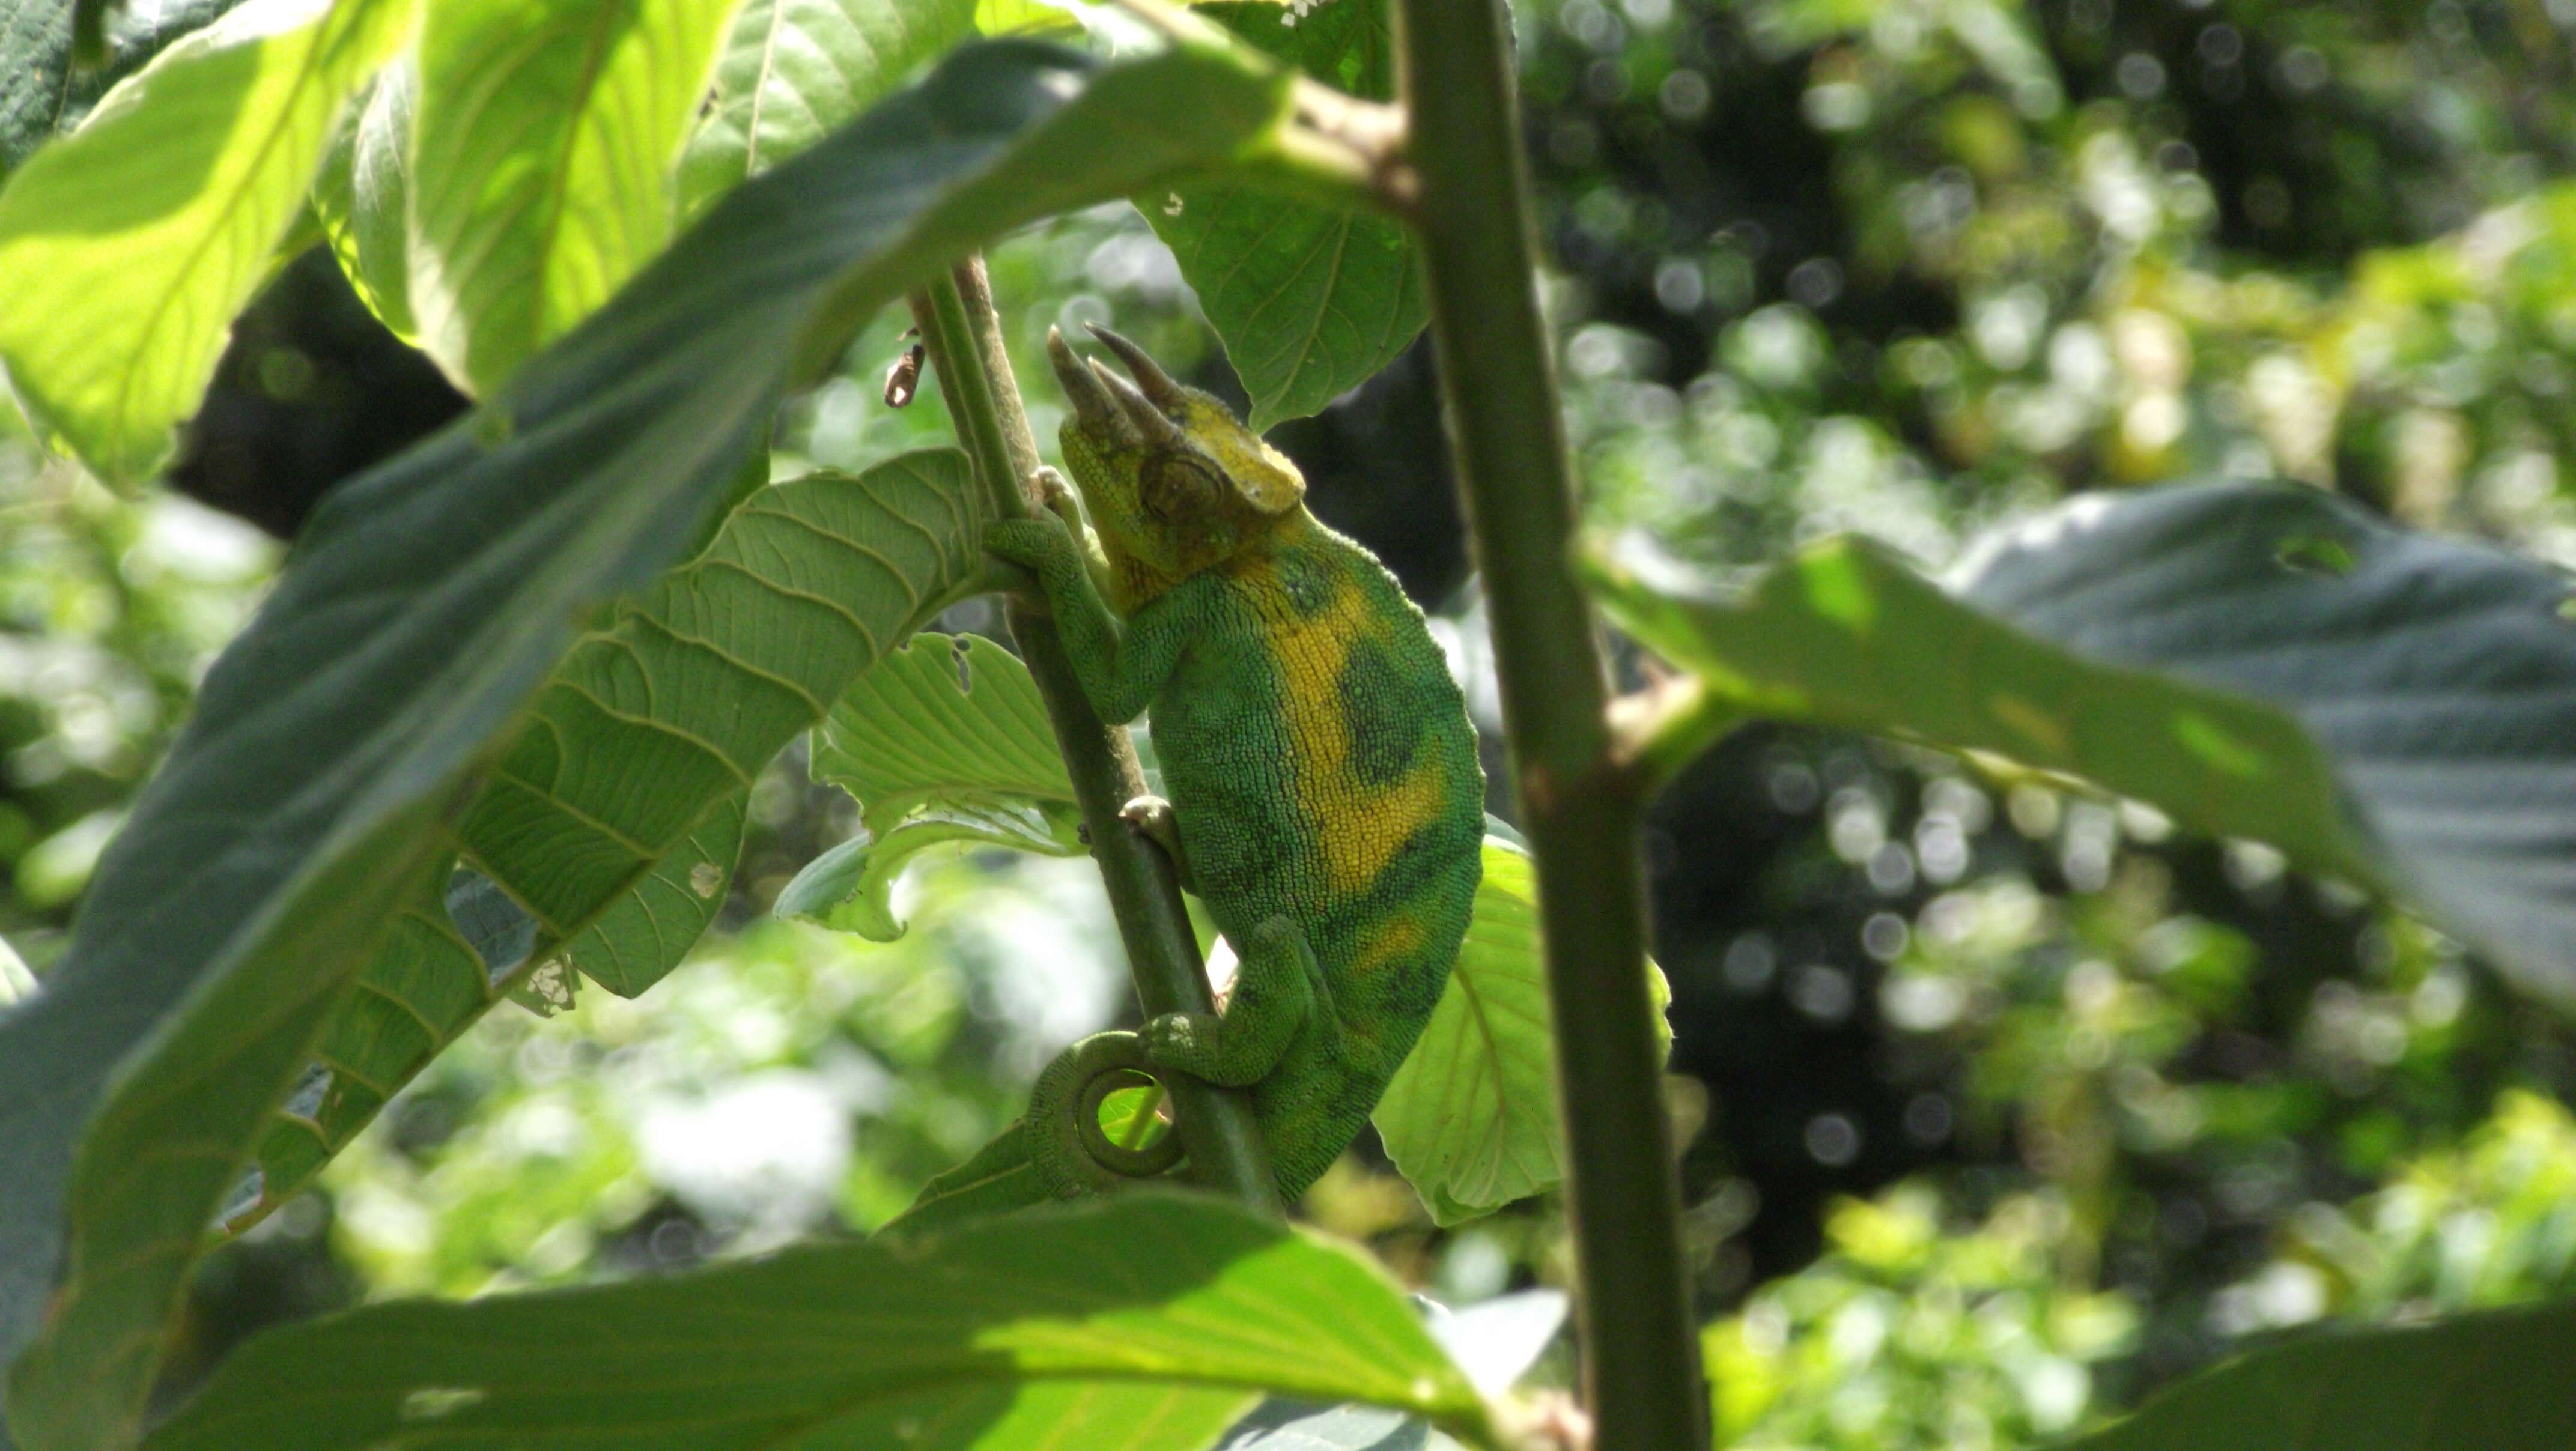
(964, 338)
(1579, 803)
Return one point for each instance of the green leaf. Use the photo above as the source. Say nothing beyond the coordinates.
(362, 196)
(850, 887)
(720, 666)
(645, 933)
(1310, 302)
(2490, 1382)
(1021, 17)
(794, 69)
(944, 741)
(1470, 1118)
(2255, 660)
(42, 92)
(946, 719)
(335, 743)
(544, 161)
(1141, 1321)
(694, 688)
(126, 247)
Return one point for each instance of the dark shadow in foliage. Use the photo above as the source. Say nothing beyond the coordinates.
(312, 390)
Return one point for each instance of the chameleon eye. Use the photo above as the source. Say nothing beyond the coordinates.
(1177, 488)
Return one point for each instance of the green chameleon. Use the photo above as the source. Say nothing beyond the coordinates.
(1326, 801)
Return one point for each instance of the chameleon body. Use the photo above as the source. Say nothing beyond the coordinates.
(1326, 801)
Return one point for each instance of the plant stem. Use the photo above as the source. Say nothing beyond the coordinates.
(963, 337)
(1579, 804)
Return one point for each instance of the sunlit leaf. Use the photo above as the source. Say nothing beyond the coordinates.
(545, 155)
(1143, 1321)
(362, 197)
(2256, 660)
(794, 69)
(126, 247)
(1309, 301)
(945, 741)
(334, 745)
(1470, 1119)
(2492, 1382)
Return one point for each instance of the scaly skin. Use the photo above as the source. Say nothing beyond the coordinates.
(1326, 801)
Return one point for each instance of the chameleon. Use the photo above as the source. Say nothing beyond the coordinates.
(1326, 803)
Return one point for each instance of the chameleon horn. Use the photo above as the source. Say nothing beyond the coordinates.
(1150, 377)
(1091, 402)
(1142, 416)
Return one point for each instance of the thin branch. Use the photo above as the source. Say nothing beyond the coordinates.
(1579, 801)
(963, 337)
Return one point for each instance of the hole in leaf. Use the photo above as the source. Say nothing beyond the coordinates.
(2314, 554)
(965, 672)
(2567, 608)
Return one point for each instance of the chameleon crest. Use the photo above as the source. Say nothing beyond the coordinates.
(1326, 802)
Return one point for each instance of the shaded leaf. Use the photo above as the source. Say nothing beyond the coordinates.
(693, 689)
(639, 939)
(42, 92)
(1310, 302)
(335, 742)
(544, 161)
(697, 686)
(2405, 718)
(126, 247)
(2491, 1382)
(1134, 1322)
(794, 69)
(1470, 1119)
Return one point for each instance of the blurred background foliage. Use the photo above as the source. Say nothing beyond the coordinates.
(2004, 1104)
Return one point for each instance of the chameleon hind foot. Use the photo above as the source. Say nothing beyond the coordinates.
(1278, 991)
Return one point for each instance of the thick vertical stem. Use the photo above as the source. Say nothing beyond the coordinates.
(963, 336)
(1579, 806)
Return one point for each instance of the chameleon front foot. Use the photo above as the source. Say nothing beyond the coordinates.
(1151, 817)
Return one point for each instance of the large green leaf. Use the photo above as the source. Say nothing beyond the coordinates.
(945, 741)
(336, 740)
(455, 951)
(2257, 660)
(126, 247)
(1140, 1321)
(545, 151)
(43, 92)
(794, 69)
(1470, 1118)
(1311, 302)
(2491, 1382)
(692, 692)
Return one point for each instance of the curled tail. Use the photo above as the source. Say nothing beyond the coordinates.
(1067, 1153)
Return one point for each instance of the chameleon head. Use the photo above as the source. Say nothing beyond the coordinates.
(1173, 481)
